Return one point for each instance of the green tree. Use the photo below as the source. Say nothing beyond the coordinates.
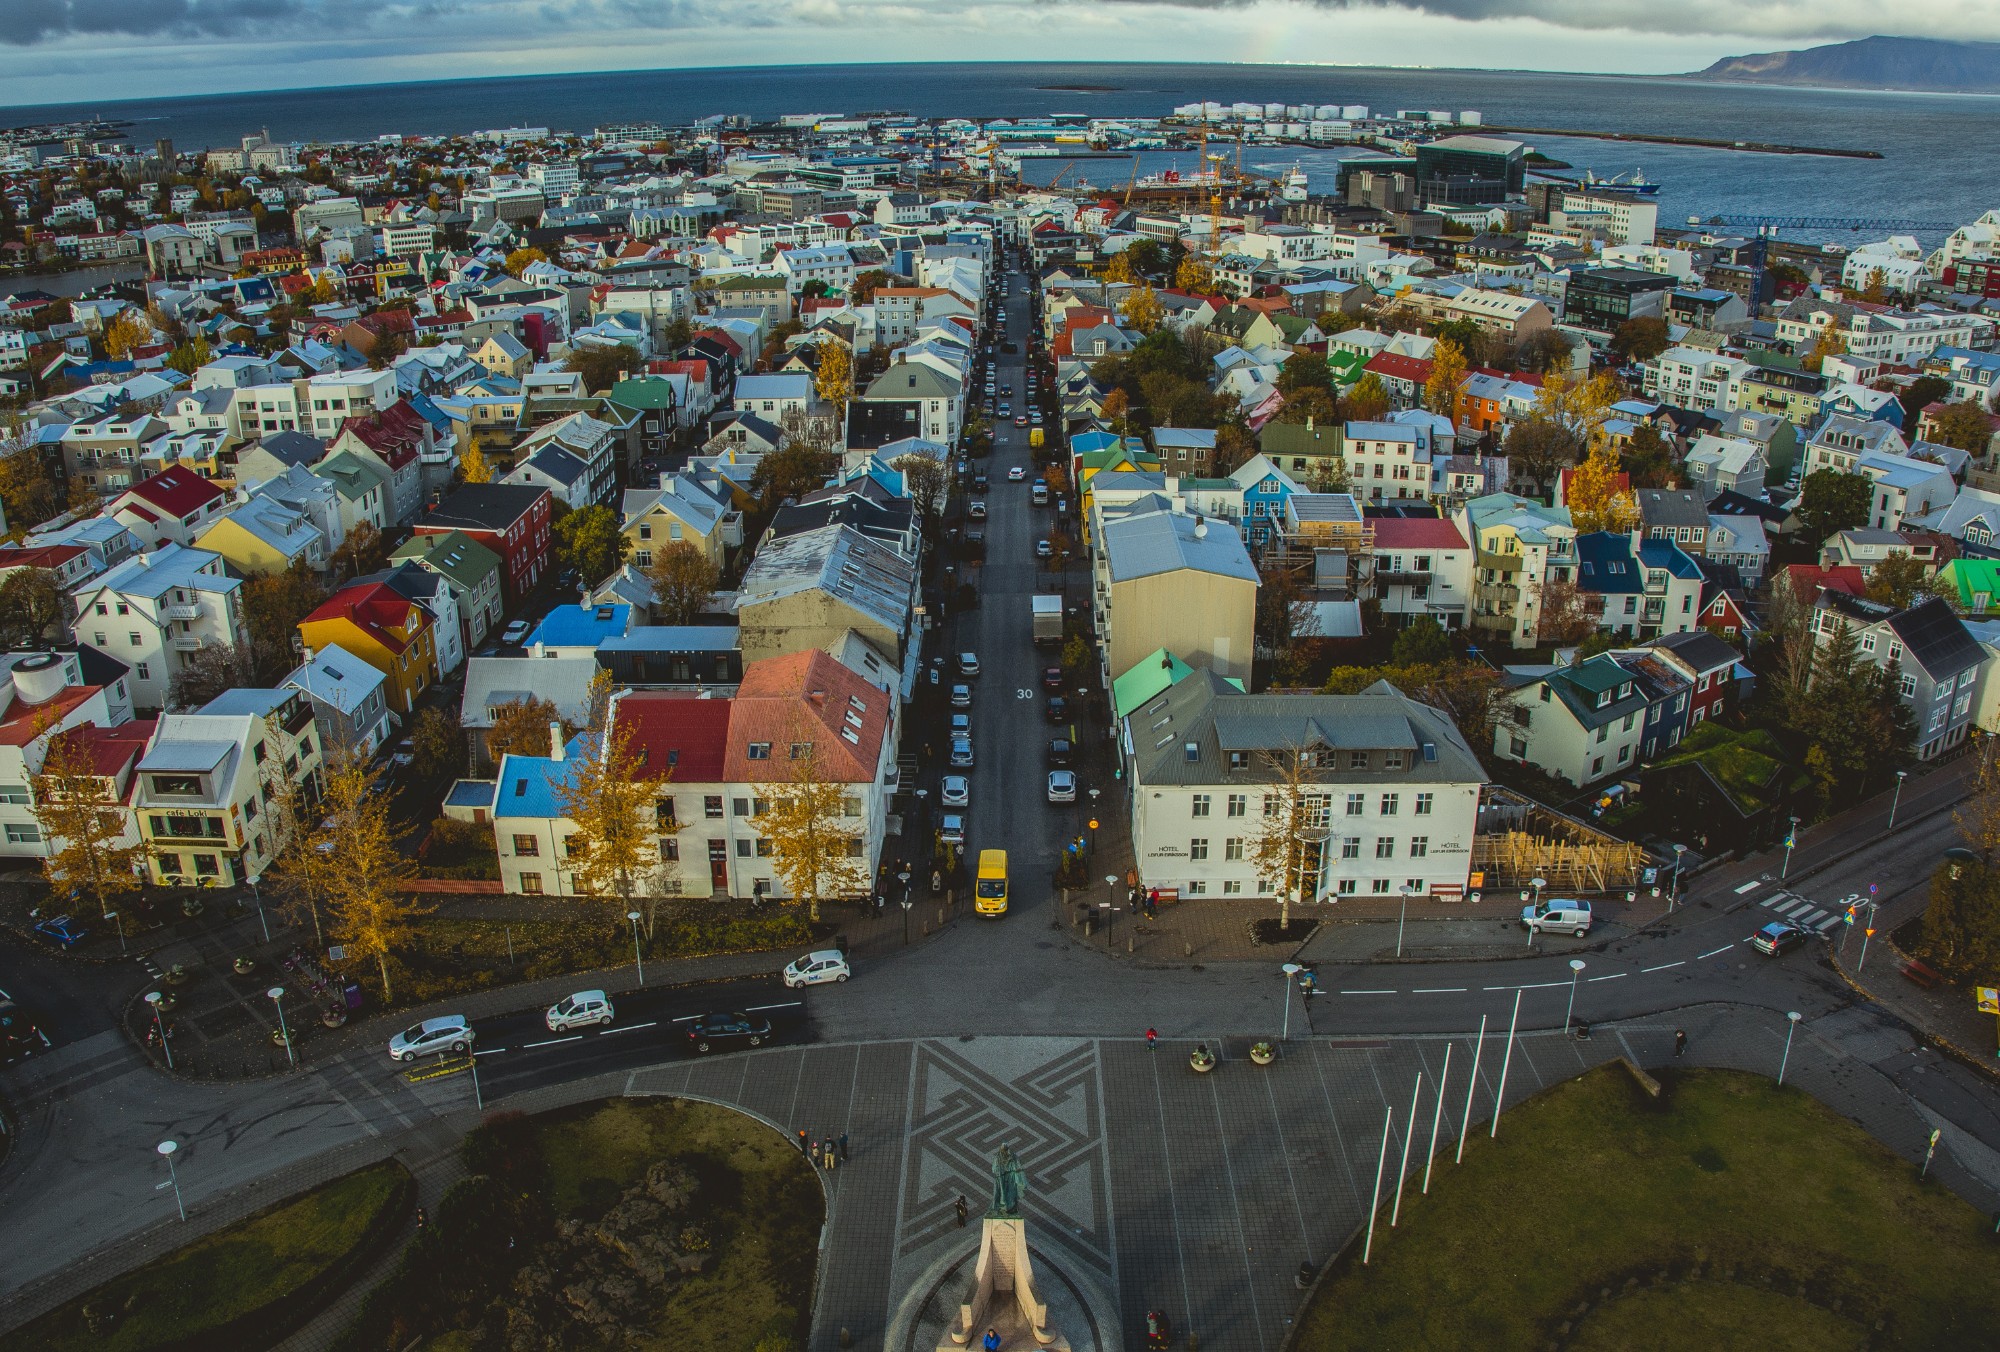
(591, 542)
(1965, 426)
(1367, 400)
(1961, 929)
(436, 745)
(1900, 580)
(1830, 502)
(190, 356)
(273, 605)
(1422, 642)
(1852, 721)
(603, 367)
(32, 608)
(1310, 404)
(1919, 395)
(796, 470)
(684, 580)
(27, 493)
(1641, 338)
(1304, 370)
(1647, 459)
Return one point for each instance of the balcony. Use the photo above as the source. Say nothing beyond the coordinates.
(187, 643)
(182, 610)
(1402, 579)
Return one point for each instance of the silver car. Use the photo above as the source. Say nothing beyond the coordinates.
(957, 791)
(449, 1033)
(1062, 786)
(585, 1009)
(961, 752)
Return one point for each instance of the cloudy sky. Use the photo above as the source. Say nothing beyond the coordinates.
(74, 50)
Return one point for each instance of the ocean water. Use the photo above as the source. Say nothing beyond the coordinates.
(1937, 160)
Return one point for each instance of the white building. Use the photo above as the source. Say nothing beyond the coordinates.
(156, 610)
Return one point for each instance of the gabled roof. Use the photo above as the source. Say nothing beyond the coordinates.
(1936, 639)
(336, 677)
(1699, 650)
(376, 609)
(174, 492)
(490, 508)
(683, 733)
(806, 697)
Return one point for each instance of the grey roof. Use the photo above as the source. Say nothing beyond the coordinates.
(186, 757)
(493, 681)
(1208, 712)
(1672, 507)
(336, 677)
(1936, 639)
(1154, 542)
(839, 560)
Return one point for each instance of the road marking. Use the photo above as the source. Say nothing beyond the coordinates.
(1439, 990)
(1713, 951)
(1541, 985)
(789, 1004)
(1613, 977)
(573, 1037)
(685, 1018)
(1663, 966)
(1750, 886)
(629, 1028)
(1792, 908)
(489, 1051)
(1368, 992)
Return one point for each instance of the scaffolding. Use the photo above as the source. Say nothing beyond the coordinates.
(1520, 840)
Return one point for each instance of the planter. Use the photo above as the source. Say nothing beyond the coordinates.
(278, 1039)
(333, 1018)
(191, 907)
(245, 966)
(176, 974)
(1262, 1053)
(1201, 1060)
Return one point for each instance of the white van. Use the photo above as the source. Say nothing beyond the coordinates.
(1559, 914)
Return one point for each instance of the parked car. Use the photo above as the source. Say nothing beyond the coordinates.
(975, 510)
(1058, 709)
(61, 930)
(1020, 420)
(1558, 914)
(979, 482)
(968, 665)
(961, 725)
(514, 633)
(1060, 752)
(720, 1032)
(818, 967)
(449, 1032)
(1052, 678)
(1044, 550)
(951, 829)
(585, 1009)
(961, 697)
(20, 1036)
(1779, 938)
(1062, 786)
(961, 752)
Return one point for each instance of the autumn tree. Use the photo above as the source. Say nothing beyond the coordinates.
(1447, 374)
(1118, 271)
(207, 672)
(1964, 426)
(370, 907)
(792, 472)
(1827, 343)
(1568, 613)
(591, 542)
(1234, 444)
(520, 727)
(1142, 309)
(473, 466)
(603, 366)
(1901, 580)
(612, 796)
(1462, 689)
(1284, 843)
(1640, 338)
(435, 745)
(834, 381)
(521, 259)
(1310, 405)
(1595, 498)
(815, 828)
(1542, 351)
(1831, 501)
(1195, 276)
(363, 551)
(27, 493)
(1919, 395)
(866, 284)
(32, 606)
(129, 330)
(1961, 925)
(1367, 400)
(94, 848)
(190, 356)
(928, 481)
(684, 579)
(273, 605)
(1116, 407)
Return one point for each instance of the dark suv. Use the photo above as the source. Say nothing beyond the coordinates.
(1058, 709)
(723, 1032)
(1060, 752)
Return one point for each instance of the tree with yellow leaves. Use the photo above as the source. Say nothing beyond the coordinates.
(1119, 270)
(1194, 275)
(834, 380)
(1447, 374)
(319, 292)
(815, 828)
(613, 796)
(519, 260)
(1595, 499)
(1829, 343)
(1143, 310)
(129, 330)
(94, 850)
(474, 466)
(368, 899)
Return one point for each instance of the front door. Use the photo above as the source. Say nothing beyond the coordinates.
(718, 867)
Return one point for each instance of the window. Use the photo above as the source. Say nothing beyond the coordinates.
(527, 847)
(1392, 760)
(1385, 847)
(205, 866)
(1273, 804)
(711, 806)
(1424, 801)
(670, 851)
(742, 806)
(575, 845)
(1350, 848)
(1907, 686)
(14, 793)
(1239, 805)
(1346, 887)
(801, 750)
(1357, 803)
(1201, 805)
(760, 751)
(1232, 848)
(531, 884)
(1417, 886)
(1198, 848)
(1239, 760)
(1197, 887)
(1420, 846)
(135, 640)
(742, 849)
(23, 834)
(1357, 760)
(1232, 887)
(763, 847)
(1390, 802)
(1379, 887)
(145, 672)
(1317, 807)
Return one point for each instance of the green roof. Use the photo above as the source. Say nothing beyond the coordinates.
(1297, 439)
(1151, 676)
(1969, 577)
(1346, 366)
(454, 555)
(649, 393)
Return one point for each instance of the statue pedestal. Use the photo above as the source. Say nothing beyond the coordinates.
(1003, 1297)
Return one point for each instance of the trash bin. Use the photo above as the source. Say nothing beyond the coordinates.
(352, 994)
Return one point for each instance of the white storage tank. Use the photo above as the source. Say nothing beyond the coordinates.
(1210, 108)
(38, 677)
(1274, 129)
(1471, 119)
(1274, 111)
(1352, 111)
(1295, 130)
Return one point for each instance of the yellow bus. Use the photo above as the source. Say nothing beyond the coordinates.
(990, 896)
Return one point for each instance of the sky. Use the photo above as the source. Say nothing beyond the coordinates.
(55, 51)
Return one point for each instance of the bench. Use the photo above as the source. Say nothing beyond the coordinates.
(1922, 975)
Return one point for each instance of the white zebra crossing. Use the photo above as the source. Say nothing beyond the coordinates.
(1800, 911)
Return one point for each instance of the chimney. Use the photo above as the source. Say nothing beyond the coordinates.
(1309, 424)
(555, 740)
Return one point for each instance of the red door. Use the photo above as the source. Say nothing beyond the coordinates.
(718, 867)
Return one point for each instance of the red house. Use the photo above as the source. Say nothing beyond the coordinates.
(1708, 663)
(512, 520)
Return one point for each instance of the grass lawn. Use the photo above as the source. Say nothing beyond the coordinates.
(758, 1199)
(1749, 765)
(1784, 1206)
(253, 1264)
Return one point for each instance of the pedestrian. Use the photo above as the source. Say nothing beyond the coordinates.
(802, 1142)
(826, 1154)
(991, 1342)
(1680, 1041)
(1152, 903)
(815, 1154)
(1152, 1038)
(843, 1147)
(422, 1218)
(960, 1207)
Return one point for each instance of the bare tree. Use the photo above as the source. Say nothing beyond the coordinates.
(1284, 845)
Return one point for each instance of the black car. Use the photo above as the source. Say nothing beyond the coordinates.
(20, 1038)
(1058, 709)
(1060, 752)
(979, 482)
(1052, 678)
(724, 1032)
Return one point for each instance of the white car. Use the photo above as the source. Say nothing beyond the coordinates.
(1016, 475)
(514, 632)
(585, 1009)
(968, 666)
(1062, 786)
(822, 965)
(957, 791)
(951, 829)
(448, 1033)
(961, 697)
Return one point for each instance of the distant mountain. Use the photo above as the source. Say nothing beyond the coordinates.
(1873, 63)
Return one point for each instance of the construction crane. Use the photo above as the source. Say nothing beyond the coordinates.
(1133, 182)
(1215, 206)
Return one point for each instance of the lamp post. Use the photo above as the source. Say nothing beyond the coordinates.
(638, 957)
(1675, 896)
(112, 916)
(1093, 837)
(1791, 1026)
(1538, 884)
(167, 1149)
(258, 897)
(1110, 907)
(1402, 916)
(1575, 971)
(1897, 801)
(1529, 928)
(1290, 970)
(277, 994)
(1791, 839)
(154, 999)
(903, 877)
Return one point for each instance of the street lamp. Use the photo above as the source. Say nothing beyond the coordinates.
(1403, 915)
(1110, 907)
(638, 957)
(154, 999)
(112, 916)
(258, 897)
(1575, 971)
(903, 876)
(1538, 884)
(1290, 970)
(1791, 1026)
(277, 994)
(1675, 895)
(1897, 801)
(1791, 839)
(167, 1149)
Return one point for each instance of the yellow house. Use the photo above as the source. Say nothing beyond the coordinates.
(262, 536)
(383, 628)
(679, 510)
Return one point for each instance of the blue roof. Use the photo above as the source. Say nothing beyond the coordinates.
(1604, 564)
(1670, 556)
(528, 784)
(471, 793)
(581, 627)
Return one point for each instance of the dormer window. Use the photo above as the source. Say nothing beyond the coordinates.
(1625, 691)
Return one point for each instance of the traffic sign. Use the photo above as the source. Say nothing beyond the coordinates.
(1989, 999)
(1870, 932)
(1848, 919)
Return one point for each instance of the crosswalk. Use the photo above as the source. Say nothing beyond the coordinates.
(1800, 911)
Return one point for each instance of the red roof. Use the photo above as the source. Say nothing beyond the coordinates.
(1416, 532)
(677, 732)
(1397, 366)
(396, 434)
(693, 370)
(114, 748)
(806, 696)
(1809, 580)
(38, 556)
(24, 722)
(375, 609)
(175, 491)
